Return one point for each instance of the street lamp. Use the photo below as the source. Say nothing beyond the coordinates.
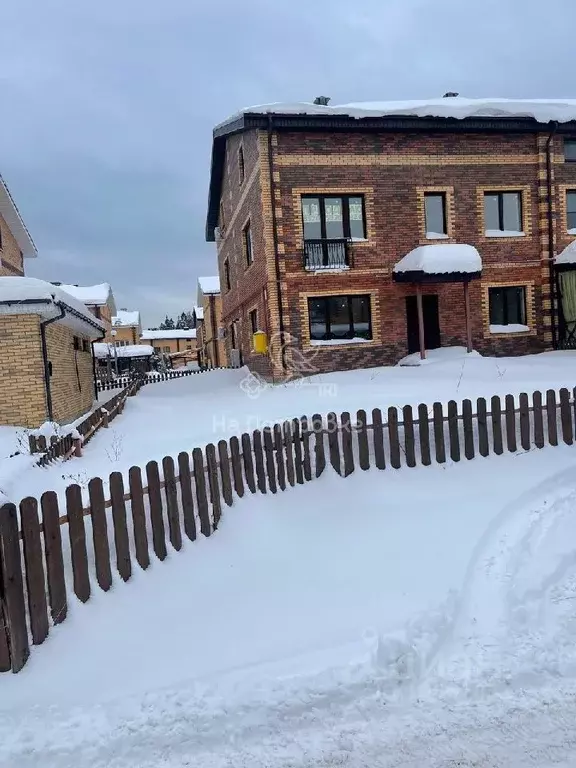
(113, 333)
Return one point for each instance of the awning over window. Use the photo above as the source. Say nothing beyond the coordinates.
(442, 263)
(567, 258)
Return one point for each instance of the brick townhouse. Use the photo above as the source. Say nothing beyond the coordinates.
(126, 328)
(330, 223)
(209, 326)
(99, 299)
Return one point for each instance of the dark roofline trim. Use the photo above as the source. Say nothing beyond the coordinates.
(256, 121)
(418, 276)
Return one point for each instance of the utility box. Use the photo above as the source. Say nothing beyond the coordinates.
(260, 342)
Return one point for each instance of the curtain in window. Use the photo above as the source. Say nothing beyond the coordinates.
(311, 211)
(568, 289)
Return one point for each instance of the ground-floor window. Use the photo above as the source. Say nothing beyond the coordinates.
(507, 305)
(254, 320)
(166, 350)
(340, 317)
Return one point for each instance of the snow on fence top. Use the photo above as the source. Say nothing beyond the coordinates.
(96, 295)
(541, 110)
(102, 350)
(568, 255)
(125, 317)
(165, 334)
(441, 259)
(209, 284)
(28, 295)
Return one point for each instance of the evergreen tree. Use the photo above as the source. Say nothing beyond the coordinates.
(168, 324)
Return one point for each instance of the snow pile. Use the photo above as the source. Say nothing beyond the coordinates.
(95, 295)
(460, 108)
(568, 255)
(441, 259)
(103, 350)
(441, 355)
(123, 317)
(165, 334)
(209, 284)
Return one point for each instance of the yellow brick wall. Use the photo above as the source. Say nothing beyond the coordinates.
(11, 261)
(23, 400)
(214, 349)
(124, 333)
(71, 384)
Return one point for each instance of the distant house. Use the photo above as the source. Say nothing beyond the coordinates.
(128, 358)
(98, 299)
(178, 344)
(46, 363)
(211, 346)
(126, 327)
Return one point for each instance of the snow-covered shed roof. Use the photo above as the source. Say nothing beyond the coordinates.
(12, 217)
(199, 312)
(165, 334)
(209, 284)
(567, 256)
(448, 261)
(124, 317)
(103, 350)
(92, 295)
(28, 295)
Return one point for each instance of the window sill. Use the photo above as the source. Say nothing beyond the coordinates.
(508, 331)
(572, 232)
(314, 270)
(359, 240)
(340, 342)
(436, 236)
(503, 233)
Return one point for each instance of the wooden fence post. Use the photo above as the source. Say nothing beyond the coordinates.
(424, 434)
(362, 432)
(35, 579)
(566, 417)
(215, 499)
(468, 427)
(347, 450)
(121, 540)
(248, 461)
(77, 534)
(289, 452)
(453, 433)
(378, 439)
(551, 416)
(269, 458)
(100, 533)
(333, 442)
(259, 460)
(524, 422)
(298, 456)
(171, 493)
(306, 462)
(319, 450)
(409, 440)
(201, 497)
(236, 463)
(496, 412)
(224, 461)
(54, 557)
(138, 517)
(439, 442)
(155, 504)
(395, 460)
(280, 459)
(13, 587)
(510, 423)
(538, 419)
(186, 495)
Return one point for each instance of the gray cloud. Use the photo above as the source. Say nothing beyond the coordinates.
(107, 108)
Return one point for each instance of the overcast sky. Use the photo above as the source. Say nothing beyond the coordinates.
(107, 107)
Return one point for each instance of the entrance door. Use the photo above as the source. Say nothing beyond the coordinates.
(431, 322)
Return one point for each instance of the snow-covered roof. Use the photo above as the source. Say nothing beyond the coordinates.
(199, 312)
(124, 317)
(568, 255)
(165, 334)
(102, 350)
(12, 217)
(441, 259)
(541, 110)
(28, 295)
(94, 295)
(209, 284)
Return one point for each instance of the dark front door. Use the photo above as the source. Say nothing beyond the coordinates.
(431, 322)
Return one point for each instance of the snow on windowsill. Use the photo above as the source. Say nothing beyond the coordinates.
(358, 239)
(504, 233)
(338, 342)
(436, 236)
(572, 231)
(343, 268)
(512, 328)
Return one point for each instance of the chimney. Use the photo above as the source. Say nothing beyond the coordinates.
(322, 101)
(450, 95)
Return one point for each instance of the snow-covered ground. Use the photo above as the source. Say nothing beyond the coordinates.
(178, 415)
(367, 621)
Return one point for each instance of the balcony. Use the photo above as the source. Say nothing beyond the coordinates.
(326, 254)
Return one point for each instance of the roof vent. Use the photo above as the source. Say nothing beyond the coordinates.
(322, 100)
(450, 95)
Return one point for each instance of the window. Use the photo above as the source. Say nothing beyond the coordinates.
(77, 342)
(570, 150)
(333, 218)
(571, 210)
(227, 274)
(233, 336)
(435, 215)
(85, 345)
(247, 237)
(502, 213)
(339, 317)
(241, 164)
(188, 346)
(254, 320)
(507, 305)
(97, 312)
(166, 350)
(157, 350)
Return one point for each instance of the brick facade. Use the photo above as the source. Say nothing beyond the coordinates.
(392, 171)
(128, 334)
(72, 380)
(11, 260)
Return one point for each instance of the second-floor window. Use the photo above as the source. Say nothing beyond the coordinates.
(227, 274)
(502, 213)
(571, 211)
(247, 237)
(241, 170)
(435, 215)
(327, 217)
(570, 150)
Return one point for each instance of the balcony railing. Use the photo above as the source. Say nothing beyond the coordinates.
(326, 254)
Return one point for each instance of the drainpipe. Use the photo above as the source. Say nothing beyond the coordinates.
(275, 239)
(554, 285)
(212, 302)
(94, 364)
(47, 365)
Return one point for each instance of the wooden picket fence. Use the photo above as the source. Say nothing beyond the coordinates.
(66, 446)
(152, 378)
(46, 551)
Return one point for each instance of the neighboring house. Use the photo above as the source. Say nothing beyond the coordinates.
(179, 344)
(16, 243)
(46, 363)
(211, 349)
(124, 359)
(98, 299)
(314, 209)
(126, 328)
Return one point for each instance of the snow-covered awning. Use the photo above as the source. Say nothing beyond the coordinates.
(104, 350)
(567, 257)
(165, 334)
(448, 262)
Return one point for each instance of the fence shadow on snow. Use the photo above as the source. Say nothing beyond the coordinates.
(48, 549)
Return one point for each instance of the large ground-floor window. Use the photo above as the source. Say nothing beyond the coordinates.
(508, 305)
(340, 317)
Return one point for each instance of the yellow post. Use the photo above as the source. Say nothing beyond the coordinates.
(260, 342)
